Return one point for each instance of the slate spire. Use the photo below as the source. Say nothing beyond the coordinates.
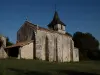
(56, 17)
(56, 20)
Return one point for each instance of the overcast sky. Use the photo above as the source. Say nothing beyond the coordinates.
(78, 15)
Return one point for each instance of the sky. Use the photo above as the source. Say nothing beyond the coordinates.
(78, 15)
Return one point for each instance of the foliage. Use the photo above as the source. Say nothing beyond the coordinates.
(68, 34)
(8, 43)
(88, 45)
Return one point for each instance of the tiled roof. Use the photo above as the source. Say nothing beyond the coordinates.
(33, 26)
(19, 44)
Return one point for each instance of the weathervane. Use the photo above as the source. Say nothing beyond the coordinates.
(27, 18)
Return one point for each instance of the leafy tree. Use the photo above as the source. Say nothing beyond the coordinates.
(88, 45)
(8, 43)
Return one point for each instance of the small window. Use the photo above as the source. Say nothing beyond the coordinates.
(18, 36)
(62, 27)
(56, 27)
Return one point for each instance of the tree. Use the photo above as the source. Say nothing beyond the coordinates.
(88, 45)
(8, 43)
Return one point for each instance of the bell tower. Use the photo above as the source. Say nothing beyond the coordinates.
(56, 24)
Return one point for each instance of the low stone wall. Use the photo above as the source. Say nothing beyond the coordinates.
(27, 51)
(3, 53)
(76, 55)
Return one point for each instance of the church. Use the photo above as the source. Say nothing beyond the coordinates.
(52, 44)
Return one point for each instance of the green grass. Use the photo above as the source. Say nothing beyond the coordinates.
(36, 67)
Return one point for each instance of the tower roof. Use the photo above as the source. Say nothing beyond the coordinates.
(56, 20)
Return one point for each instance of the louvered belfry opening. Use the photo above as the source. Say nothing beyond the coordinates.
(56, 20)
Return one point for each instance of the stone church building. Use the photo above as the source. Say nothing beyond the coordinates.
(51, 44)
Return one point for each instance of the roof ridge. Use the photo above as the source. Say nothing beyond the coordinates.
(41, 28)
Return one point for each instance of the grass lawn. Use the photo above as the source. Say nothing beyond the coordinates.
(35, 67)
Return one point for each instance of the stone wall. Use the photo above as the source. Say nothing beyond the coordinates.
(59, 46)
(52, 47)
(76, 55)
(27, 51)
(3, 53)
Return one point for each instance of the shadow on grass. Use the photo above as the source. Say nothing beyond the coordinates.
(72, 72)
(27, 72)
(59, 72)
